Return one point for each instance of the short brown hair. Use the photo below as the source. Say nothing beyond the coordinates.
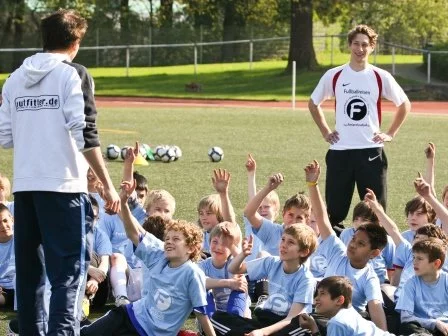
(432, 231)
(418, 203)
(213, 203)
(62, 28)
(362, 210)
(155, 225)
(192, 233)
(363, 29)
(338, 286)
(305, 236)
(299, 200)
(434, 248)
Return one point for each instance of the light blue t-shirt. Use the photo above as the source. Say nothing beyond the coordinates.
(409, 235)
(172, 293)
(101, 242)
(221, 295)
(348, 322)
(366, 286)
(206, 242)
(404, 259)
(381, 263)
(270, 234)
(257, 245)
(284, 289)
(318, 262)
(425, 300)
(114, 229)
(7, 264)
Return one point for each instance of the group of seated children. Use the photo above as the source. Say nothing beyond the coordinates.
(304, 279)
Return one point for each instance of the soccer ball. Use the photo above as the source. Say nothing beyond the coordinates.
(177, 152)
(216, 154)
(169, 155)
(124, 151)
(159, 151)
(112, 152)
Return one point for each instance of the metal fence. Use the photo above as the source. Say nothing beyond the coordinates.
(328, 47)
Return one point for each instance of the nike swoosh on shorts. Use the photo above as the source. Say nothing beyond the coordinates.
(371, 159)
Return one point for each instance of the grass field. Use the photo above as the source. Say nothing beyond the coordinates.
(267, 80)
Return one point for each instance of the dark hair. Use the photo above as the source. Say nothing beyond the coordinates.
(338, 286)
(93, 201)
(434, 248)
(61, 29)
(377, 235)
(155, 225)
(418, 203)
(362, 210)
(141, 181)
(363, 29)
(432, 231)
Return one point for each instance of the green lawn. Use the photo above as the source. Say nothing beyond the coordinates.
(267, 80)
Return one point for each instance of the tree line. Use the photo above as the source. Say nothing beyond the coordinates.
(410, 22)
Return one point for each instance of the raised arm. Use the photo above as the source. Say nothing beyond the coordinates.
(128, 164)
(237, 265)
(251, 166)
(131, 225)
(319, 118)
(312, 173)
(221, 181)
(384, 220)
(250, 211)
(424, 189)
(430, 153)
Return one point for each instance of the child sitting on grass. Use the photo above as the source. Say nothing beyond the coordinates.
(291, 286)
(423, 304)
(176, 287)
(334, 301)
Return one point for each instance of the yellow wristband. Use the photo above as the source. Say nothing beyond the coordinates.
(311, 183)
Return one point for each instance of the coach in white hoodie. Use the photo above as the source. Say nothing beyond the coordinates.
(48, 116)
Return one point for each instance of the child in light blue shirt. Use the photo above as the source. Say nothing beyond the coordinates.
(7, 258)
(291, 285)
(333, 301)
(423, 304)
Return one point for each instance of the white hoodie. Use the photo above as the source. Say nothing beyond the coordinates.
(48, 115)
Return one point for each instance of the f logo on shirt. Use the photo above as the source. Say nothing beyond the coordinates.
(277, 303)
(162, 300)
(356, 109)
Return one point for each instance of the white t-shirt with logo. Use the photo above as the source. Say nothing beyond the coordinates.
(358, 102)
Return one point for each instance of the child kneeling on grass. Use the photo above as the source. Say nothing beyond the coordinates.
(176, 287)
(334, 301)
(291, 286)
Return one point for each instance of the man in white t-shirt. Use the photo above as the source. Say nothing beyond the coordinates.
(356, 152)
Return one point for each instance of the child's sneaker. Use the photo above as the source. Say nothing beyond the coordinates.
(261, 301)
(121, 301)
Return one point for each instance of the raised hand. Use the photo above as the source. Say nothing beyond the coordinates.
(126, 189)
(274, 181)
(251, 164)
(312, 171)
(421, 186)
(430, 151)
(221, 180)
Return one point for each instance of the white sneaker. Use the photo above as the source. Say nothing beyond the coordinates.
(121, 301)
(261, 301)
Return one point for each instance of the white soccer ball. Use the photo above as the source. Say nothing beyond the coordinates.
(159, 152)
(216, 154)
(124, 151)
(169, 155)
(112, 152)
(177, 152)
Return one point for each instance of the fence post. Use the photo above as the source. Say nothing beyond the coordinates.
(251, 53)
(201, 37)
(293, 95)
(195, 59)
(332, 49)
(393, 61)
(128, 56)
(150, 48)
(97, 45)
(429, 67)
